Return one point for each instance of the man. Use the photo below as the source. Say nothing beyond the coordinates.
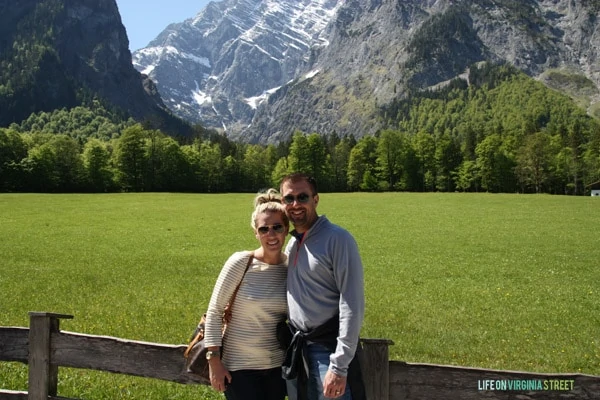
(325, 299)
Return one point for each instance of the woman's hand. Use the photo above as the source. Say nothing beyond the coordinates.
(219, 376)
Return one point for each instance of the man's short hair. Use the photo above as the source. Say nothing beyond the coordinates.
(299, 177)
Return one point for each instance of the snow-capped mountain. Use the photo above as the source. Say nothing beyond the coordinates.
(262, 69)
(217, 67)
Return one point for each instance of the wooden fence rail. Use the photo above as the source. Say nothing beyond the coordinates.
(45, 348)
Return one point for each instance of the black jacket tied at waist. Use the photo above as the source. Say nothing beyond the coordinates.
(295, 364)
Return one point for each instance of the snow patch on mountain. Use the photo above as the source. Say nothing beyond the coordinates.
(255, 101)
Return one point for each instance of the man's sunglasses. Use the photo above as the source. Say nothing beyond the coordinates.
(301, 198)
(277, 228)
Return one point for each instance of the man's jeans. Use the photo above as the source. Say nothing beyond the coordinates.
(318, 364)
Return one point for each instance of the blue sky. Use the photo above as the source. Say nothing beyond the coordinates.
(145, 19)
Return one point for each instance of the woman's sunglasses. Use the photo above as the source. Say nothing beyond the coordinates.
(277, 228)
(301, 198)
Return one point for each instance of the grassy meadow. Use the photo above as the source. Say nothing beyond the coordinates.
(480, 280)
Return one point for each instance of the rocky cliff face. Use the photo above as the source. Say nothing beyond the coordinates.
(333, 70)
(86, 46)
(217, 67)
(380, 50)
(95, 48)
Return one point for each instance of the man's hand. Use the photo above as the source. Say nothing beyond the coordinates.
(334, 385)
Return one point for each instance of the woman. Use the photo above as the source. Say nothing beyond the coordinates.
(249, 367)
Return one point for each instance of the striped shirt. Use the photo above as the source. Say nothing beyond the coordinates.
(250, 341)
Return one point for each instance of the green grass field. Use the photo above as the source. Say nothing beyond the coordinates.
(479, 280)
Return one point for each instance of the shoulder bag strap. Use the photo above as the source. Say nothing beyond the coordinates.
(239, 284)
(227, 311)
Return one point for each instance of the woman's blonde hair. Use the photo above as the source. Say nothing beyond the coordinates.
(269, 200)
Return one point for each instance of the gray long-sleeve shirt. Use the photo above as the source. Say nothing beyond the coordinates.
(325, 278)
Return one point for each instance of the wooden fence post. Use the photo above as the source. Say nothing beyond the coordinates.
(43, 375)
(374, 364)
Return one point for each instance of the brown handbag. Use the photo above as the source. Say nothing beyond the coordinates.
(195, 354)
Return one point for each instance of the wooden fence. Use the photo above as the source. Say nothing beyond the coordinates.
(45, 348)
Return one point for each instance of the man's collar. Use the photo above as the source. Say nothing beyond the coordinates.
(299, 235)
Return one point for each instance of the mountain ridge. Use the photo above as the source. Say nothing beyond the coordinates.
(364, 54)
(403, 72)
(62, 54)
(244, 43)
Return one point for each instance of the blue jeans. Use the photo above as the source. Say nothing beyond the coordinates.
(263, 384)
(318, 364)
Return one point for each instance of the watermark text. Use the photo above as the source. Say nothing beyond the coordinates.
(526, 384)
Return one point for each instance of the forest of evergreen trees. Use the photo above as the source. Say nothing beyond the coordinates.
(504, 132)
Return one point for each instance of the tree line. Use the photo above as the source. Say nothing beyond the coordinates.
(503, 132)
